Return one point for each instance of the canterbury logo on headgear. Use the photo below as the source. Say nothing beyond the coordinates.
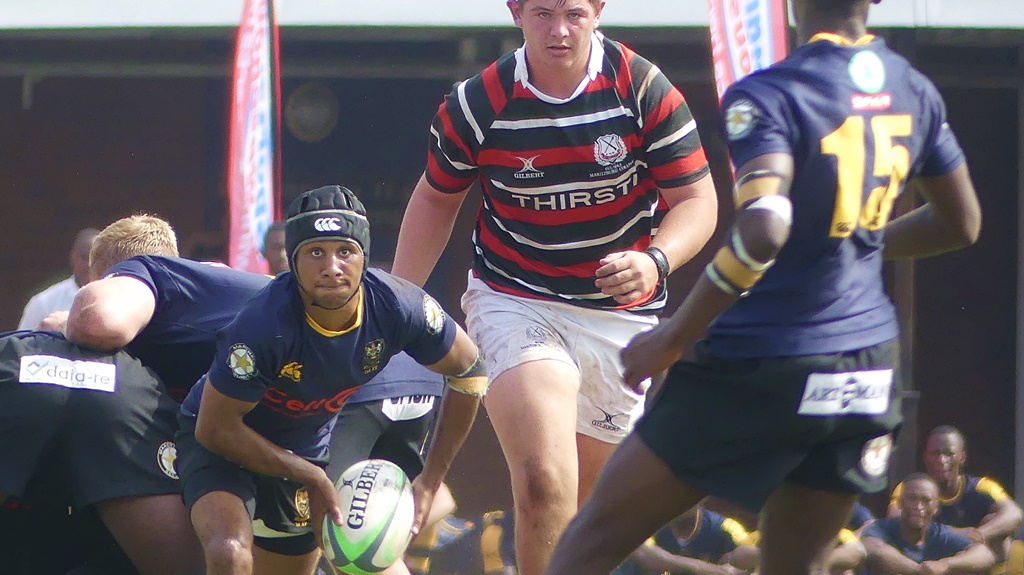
(327, 225)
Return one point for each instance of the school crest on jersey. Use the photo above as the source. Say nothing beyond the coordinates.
(241, 361)
(372, 353)
(609, 149)
(166, 455)
(740, 119)
(434, 315)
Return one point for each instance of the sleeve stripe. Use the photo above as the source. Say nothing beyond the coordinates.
(469, 113)
(679, 134)
(457, 165)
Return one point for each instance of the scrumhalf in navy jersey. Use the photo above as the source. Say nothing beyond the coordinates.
(859, 122)
(565, 182)
(193, 301)
(301, 374)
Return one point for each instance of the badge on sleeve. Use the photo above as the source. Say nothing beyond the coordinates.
(874, 459)
(241, 361)
(740, 119)
(434, 315)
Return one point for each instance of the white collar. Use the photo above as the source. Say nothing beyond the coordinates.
(594, 66)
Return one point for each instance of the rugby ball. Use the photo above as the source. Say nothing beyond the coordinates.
(377, 508)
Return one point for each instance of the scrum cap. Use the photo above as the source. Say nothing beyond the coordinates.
(327, 213)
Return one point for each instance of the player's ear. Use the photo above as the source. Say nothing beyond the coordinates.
(516, 9)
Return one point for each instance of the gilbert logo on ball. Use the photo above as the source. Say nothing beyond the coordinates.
(376, 503)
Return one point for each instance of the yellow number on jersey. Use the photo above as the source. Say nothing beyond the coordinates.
(847, 144)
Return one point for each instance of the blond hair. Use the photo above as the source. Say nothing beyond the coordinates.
(136, 235)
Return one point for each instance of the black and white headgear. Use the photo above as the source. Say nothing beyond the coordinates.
(327, 213)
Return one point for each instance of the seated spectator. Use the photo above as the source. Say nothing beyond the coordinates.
(274, 248)
(915, 543)
(481, 546)
(699, 542)
(977, 507)
(59, 296)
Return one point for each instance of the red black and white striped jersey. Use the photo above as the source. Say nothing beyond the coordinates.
(565, 182)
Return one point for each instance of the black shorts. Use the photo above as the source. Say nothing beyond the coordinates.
(279, 507)
(391, 429)
(104, 444)
(738, 428)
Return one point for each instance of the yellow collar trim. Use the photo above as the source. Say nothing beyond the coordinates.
(331, 333)
(839, 40)
(960, 485)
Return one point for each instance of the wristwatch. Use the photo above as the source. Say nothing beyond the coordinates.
(660, 261)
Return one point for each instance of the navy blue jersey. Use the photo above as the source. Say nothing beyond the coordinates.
(712, 537)
(940, 542)
(859, 122)
(400, 378)
(193, 301)
(299, 374)
(972, 502)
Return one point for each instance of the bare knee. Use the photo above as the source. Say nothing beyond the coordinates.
(545, 484)
(228, 555)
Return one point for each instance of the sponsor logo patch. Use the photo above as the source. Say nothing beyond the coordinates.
(73, 374)
(292, 370)
(851, 393)
(874, 459)
(608, 423)
(166, 455)
(740, 119)
(528, 172)
(327, 224)
(872, 102)
(241, 361)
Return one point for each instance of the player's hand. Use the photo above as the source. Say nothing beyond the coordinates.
(626, 276)
(323, 499)
(646, 354)
(56, 321)
(423, 497)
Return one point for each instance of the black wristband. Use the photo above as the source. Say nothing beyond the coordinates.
(660, 262)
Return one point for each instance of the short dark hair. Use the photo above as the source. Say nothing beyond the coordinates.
(948, 430)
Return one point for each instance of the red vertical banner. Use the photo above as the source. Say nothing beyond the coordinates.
(746, 36)
(253, 179)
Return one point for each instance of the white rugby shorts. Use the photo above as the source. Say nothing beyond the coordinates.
(511, 330)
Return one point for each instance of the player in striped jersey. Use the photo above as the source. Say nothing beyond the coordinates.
(595, 187)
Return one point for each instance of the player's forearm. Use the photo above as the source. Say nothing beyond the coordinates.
(884, 559)
(1002, 523)
(656, 560)
(688, 225)
(975, 559)
(950, 220)
(239, 443)
(426, 228)
(458, 411)
(847, 556)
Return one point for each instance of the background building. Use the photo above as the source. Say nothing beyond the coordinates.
(110, 106)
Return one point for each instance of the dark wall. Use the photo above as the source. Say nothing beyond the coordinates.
(89, 151)
(966, 304)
